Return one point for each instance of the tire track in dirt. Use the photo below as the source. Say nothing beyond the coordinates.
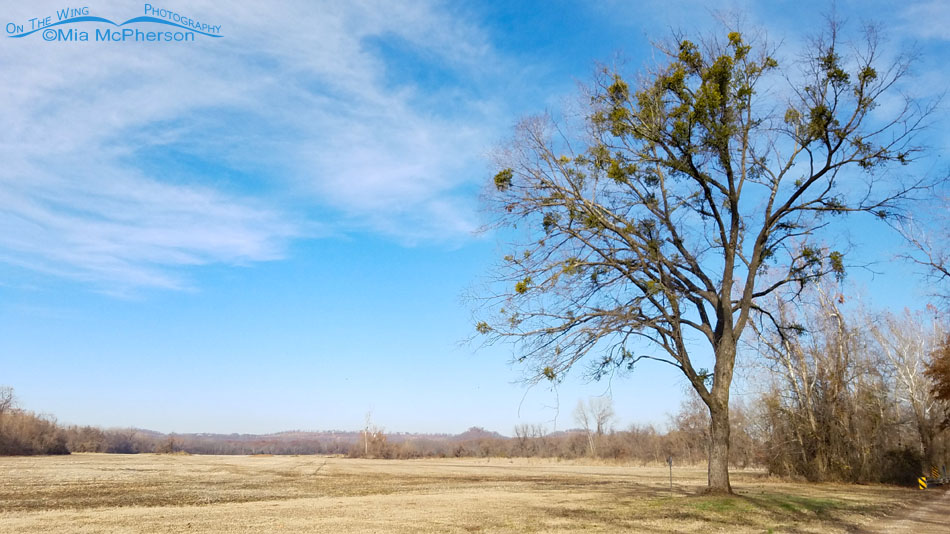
(932, 515)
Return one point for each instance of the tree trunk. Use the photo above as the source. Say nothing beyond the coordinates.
(719, 449)
(718, 402)
(928, 458)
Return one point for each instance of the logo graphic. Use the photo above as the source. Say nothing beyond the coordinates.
(72, 24)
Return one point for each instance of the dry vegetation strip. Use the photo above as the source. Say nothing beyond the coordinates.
(169, 493)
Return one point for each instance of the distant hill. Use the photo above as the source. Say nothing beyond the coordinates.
(299, 441)
(476, 433)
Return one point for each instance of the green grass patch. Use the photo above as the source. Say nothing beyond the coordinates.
(762, 510)
(795, 504)
(720, 505)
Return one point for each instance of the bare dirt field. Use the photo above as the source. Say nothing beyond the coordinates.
(85, 493)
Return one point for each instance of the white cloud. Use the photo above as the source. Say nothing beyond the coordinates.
(928, 20)
(122, 230)
(124, 163)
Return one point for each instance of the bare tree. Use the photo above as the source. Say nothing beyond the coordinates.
(907, 342)
(603, 410)
(583, 418)
(651, 229)
(927, 238)
(367, 430)
(833, 409)
(7, 399)
(595, 417)
(523, 439)
(689, 430)
(374, 443)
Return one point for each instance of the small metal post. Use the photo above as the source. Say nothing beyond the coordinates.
(669, 460)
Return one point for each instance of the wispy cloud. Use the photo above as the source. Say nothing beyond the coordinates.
(123, 230)
(126, 163)
(928, 20)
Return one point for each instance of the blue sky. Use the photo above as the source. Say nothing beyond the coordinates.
(274, 229)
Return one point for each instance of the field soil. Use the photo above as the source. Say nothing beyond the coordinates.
(931, 514)
(91, 493)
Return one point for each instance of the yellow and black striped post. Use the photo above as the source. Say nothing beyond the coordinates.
(922, 482)
(934, 472)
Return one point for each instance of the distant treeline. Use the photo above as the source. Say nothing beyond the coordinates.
(26, 433)
(844, 395)
(685, 441)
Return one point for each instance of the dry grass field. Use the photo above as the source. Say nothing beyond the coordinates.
(86, 493)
